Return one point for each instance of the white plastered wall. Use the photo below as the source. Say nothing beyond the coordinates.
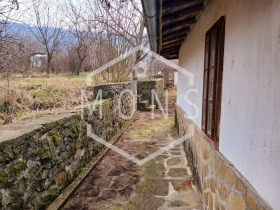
(250, 113)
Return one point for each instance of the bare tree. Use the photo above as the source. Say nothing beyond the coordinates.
(124, 18)
(106, 47)
(48, 30)
(6, 7)
(79, 45)
(7, 41)
(122, 27)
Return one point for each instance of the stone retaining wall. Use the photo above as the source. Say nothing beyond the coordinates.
(114, 89)
(221, 186)
(144, 89)
(40, 157)
(123, 97)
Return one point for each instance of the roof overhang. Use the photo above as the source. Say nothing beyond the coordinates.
(168, 23)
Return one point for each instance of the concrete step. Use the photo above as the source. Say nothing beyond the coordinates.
(150, 108)
(142, 105)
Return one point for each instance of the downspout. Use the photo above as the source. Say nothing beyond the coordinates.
(150, 12)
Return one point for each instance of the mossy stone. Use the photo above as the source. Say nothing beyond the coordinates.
(2, 158)
(44, 151)
(37, 187)
(73, 132)
(3, 178)
(17, 168)
(1, 197)
(18, 190)
(56, 139)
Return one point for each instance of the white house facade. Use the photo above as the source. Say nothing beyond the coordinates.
(233, 50)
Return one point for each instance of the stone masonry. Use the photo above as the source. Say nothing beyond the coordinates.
(221, 186)
(144, 89)
(40, 157)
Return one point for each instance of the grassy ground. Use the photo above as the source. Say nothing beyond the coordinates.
(37, 95)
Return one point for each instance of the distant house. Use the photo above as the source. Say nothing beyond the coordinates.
(38, 60)
(233, 50)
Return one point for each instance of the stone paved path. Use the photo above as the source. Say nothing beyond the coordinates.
(166, 181)
(163, 183)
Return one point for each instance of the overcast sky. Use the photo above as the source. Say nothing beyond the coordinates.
(25, 14)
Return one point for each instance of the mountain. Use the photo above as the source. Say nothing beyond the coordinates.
(24, 30)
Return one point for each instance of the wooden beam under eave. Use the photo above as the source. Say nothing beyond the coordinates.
(175, 29)
(174, 6)
(170, 53)
(168, 34)
(172, 41)
(175, 49)
(171, 57)
(176, 44)
(171, 48)
(168, 47)
(188, 21)
(160, 27)
(183, 14)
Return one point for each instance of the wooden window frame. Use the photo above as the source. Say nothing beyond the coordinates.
(217, 34)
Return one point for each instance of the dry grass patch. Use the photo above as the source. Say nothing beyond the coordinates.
(29, 97)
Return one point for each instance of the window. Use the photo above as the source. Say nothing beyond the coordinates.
(212, 81)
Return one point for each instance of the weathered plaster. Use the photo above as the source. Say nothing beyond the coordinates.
(249, 129)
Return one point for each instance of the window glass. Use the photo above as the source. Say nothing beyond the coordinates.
(213, 47)
(209, 119)
(205, 85)
(206, 53)
(203, 116)
(211, 84)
